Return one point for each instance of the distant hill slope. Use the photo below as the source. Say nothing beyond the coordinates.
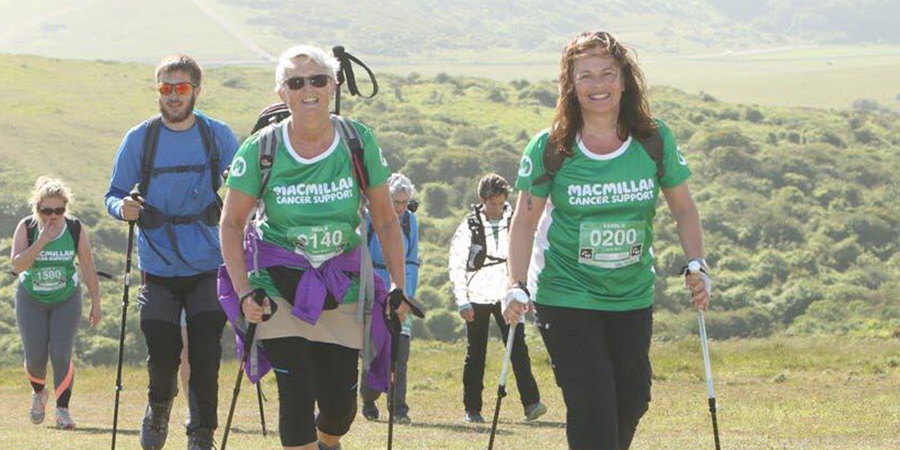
(238, 30)
(253, 30)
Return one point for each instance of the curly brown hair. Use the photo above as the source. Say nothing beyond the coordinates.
(634, 112)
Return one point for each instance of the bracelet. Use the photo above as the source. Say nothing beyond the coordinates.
(520, 285)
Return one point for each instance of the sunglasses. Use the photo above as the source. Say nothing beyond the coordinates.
(49, 211)
(179, 88)
(297, 83)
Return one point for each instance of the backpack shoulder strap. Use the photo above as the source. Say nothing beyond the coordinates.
(406, 226)
(350, 135)
(30, 228)
(653, 145)
(476, 226)
(74, 226)
(552, 161)
(212, 152)
(268, 143)
(148, 152)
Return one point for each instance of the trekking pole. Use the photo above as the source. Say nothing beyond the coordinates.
(501, 387)
(393, 391)
(345, 73)
(258, 296)
(711, 392)
(694, 267)
(126, 283)
(262, 413)
(395, 298)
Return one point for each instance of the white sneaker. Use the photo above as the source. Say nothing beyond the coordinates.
(38, 406)
(64, 419)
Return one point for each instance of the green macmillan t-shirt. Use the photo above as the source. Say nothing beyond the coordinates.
(52, 278)
(599, 240)
(311, 204)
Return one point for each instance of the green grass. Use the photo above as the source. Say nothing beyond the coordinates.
(778, 393)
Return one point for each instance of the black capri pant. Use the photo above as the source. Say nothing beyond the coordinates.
(601, 360)
(308, 373)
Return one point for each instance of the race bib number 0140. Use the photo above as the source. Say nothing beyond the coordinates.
(320, 243)
(611, 245)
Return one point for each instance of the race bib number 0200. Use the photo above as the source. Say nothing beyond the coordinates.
(611, 245)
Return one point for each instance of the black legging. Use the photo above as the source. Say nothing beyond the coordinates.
(310, 373)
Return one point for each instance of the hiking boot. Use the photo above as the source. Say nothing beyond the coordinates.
(155, 427)
(474, 417)
(535, 410)
(38, 406)
(370, 411)
(201, 439)
(325, 447)
(64, 419)
(402, 419)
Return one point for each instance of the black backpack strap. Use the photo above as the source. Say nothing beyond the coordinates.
(406, 226)
(74, 226)
(148, 153)
(653, 145)
(350, 135)
(552, 161)
(30, 229)
(268, 144)
(212, 153)
(476, 226)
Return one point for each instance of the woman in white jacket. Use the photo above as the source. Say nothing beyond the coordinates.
(477, 271)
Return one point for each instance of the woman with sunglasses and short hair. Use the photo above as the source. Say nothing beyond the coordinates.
(303, 250)
(48, 298)
(589, 268)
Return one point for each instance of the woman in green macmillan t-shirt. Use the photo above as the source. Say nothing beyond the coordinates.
(312, 200)
(48, 298)
(590, 268)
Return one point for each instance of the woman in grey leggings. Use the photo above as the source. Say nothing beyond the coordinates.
(48, 299)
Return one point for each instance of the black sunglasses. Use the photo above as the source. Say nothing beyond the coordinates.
(48, 211)
(297, 83)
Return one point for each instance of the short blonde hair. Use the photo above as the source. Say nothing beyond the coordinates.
(328, 62)
(48, 187)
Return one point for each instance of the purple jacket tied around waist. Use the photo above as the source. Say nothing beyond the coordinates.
(308, 302)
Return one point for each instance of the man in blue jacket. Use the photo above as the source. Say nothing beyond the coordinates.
(402, 193)
(176, 160)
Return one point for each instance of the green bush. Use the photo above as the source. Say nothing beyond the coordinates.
(444, 325)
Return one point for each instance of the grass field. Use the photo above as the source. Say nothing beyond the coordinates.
(778, 393)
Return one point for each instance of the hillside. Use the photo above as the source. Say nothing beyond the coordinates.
(788, 53)
(798, 204)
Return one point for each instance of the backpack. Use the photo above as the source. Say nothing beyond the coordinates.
(478, 257)
(553, 159)
(72, 224)
(152, 218)
(406, 226)
(269, 139)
